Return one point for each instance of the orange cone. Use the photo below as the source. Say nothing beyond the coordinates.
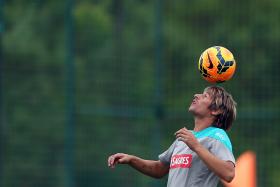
(245, 171)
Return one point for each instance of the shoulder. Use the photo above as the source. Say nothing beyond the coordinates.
(221, 136)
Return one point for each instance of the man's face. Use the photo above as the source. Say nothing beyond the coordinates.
(200, 104)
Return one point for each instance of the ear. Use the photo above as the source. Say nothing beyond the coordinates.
(216, 112)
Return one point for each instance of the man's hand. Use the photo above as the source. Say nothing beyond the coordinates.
(188, 138)
(119, 158)
(152, 168)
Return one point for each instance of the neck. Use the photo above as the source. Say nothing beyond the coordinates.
(202, 123)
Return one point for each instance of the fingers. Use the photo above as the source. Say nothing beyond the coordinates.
(113, 160)
(119, 158)
(183, 134)
(182, 137)
(182, 130)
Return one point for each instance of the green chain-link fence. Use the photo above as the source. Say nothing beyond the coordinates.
(80, 83)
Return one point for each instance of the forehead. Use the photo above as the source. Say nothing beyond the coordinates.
(209, 93)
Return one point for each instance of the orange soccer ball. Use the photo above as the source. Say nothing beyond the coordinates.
(216, 64)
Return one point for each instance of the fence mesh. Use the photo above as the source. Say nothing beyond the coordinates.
(134, 78)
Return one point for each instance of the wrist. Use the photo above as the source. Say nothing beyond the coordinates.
(131, 159)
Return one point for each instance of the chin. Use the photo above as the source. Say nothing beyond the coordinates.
(190, 110)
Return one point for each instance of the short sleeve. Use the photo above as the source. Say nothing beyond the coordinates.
(165, 157)
(221, 151)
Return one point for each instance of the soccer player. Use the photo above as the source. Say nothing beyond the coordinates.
(198, 157)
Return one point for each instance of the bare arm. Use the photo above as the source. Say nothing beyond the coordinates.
(223, 169)
(151, 168)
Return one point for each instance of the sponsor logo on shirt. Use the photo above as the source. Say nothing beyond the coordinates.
(181, 161)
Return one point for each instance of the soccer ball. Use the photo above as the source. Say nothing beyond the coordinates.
(216, 64)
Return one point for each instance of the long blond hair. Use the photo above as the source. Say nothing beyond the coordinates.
(224, 104)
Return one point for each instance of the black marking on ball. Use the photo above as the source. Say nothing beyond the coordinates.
(210, 61)
(202, 70)
(223, 64)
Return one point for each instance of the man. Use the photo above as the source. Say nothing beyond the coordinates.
(197, 158)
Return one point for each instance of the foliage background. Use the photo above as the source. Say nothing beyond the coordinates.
(135, 73)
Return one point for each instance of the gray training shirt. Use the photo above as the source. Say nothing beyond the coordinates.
(186, 169)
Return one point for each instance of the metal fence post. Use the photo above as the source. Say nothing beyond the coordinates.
(159, 110)
(70, 95)
(2, 121)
